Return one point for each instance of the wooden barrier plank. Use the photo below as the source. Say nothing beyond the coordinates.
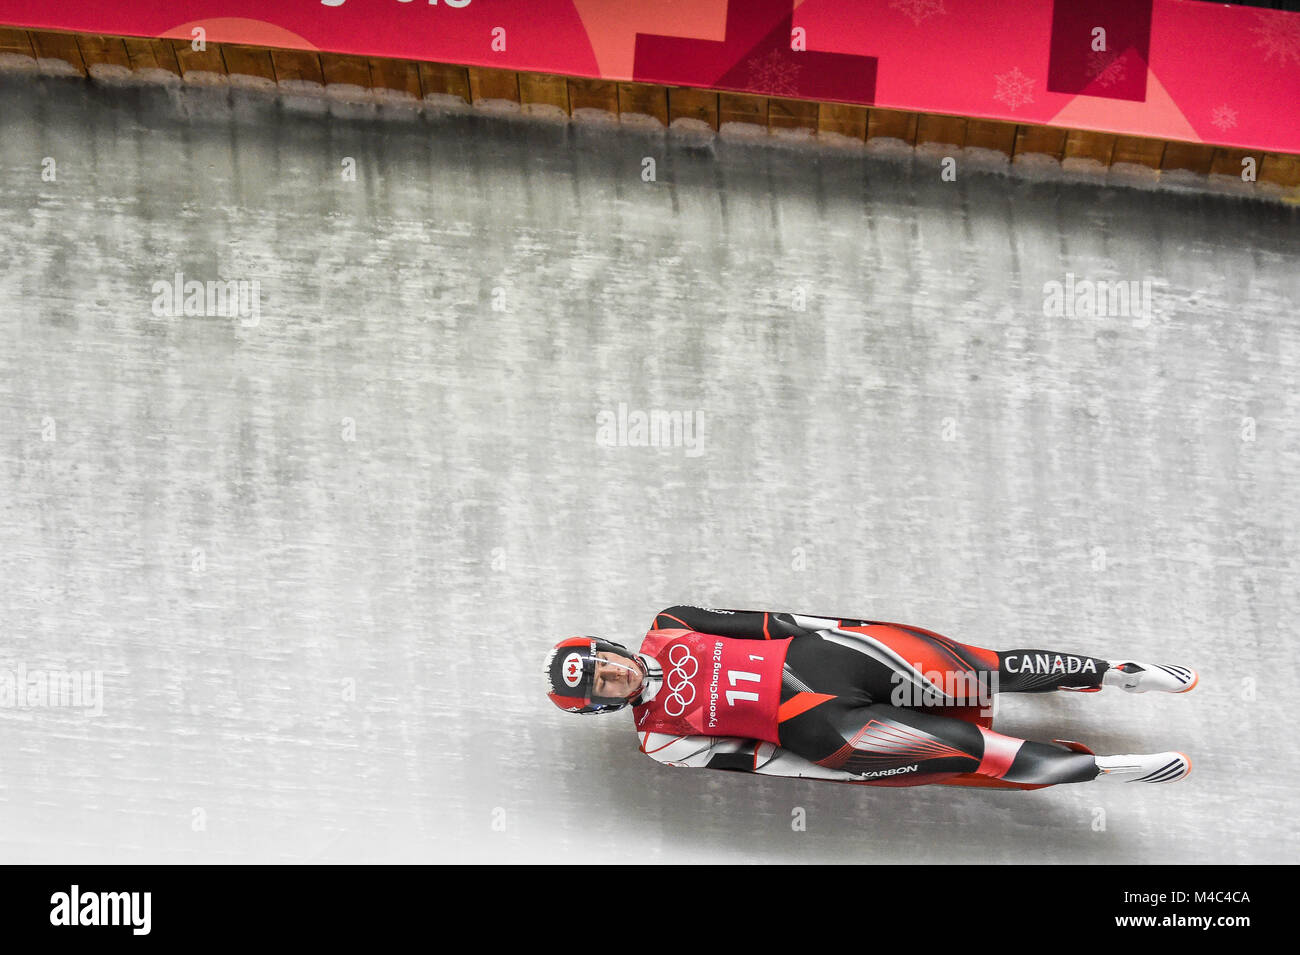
(297, 66)
(247, 64)
(342, 69)
(103, 51)
(487, 85)
(643, 99)
(891, 124)
(742, 108)
(792, 115)
(1082, 144)
(593, 95)
(1039, 140)
(841, 119)
(940, 130)
(1280, 169)
(544, 93)
(208, 61)
(401, 77)
(1194, 157)
(151, 54)
(1227, 162)
(990, 134)
(445, 80)
(1138, 150)
(693, 106)
(16, 42)
(60, 47)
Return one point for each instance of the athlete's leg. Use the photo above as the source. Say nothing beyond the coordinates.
(877, 741)
(1038, 671)
(1018, 671)
(908, 666)
(1031, 670)
(1041, 671)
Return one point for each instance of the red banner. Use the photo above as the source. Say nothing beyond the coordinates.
(1168, 69)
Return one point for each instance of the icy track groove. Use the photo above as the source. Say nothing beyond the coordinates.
(318, 560)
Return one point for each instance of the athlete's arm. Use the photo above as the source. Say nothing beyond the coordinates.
(733, 754)
(751, 624)
(739, 624)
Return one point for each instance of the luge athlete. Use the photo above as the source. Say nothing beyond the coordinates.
(848, 700)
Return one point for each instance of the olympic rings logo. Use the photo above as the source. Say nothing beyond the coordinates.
(679, 679)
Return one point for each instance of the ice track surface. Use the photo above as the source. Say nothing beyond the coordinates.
(319, 560)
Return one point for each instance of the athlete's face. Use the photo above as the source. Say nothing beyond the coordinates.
(616, 675)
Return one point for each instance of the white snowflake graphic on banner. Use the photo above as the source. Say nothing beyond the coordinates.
(918, 10)
(1105, 67)
(774, 73)
(1279, 36)
(1014, 88)
(1224, 117)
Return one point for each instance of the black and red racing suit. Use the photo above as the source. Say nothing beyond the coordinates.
(851, 700)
